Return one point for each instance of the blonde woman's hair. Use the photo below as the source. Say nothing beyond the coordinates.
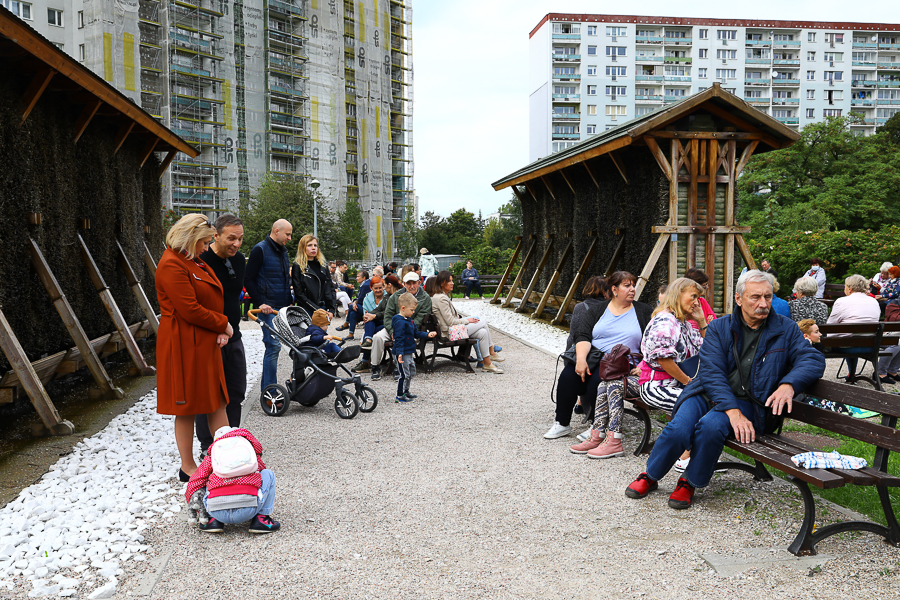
(672, 301)
(188, 232)
(806, 325)
(301, 252)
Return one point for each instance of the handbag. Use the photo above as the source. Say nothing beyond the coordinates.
(458, 332)
(616, 363)
(690, 366)
(593, 357)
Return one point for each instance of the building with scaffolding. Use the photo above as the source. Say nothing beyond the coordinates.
(293, 88)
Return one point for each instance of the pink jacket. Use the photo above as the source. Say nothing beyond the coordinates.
(204, 477)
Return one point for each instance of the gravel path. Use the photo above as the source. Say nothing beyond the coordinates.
(457, 495)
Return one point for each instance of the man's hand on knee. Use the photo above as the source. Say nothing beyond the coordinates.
(781, 397)
(743, 428)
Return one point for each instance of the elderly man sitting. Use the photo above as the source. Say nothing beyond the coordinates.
(751, 360)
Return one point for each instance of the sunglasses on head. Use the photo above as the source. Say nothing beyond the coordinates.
(228, 266)
(208, 224)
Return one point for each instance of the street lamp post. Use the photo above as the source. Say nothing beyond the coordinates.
(314, 184)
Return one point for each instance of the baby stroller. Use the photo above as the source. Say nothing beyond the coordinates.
(315, 373)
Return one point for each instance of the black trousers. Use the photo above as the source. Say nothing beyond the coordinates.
(569, 387)
(472, 284)
(235, 363)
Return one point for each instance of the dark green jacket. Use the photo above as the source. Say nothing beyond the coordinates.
(422, 308)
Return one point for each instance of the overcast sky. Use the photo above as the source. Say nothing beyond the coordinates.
(470, 61)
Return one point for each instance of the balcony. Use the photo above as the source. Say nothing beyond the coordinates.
(566, 116)
(657, 59)
(888, 65)
(286, 8)
(881, 120)
(195, 198)
(678, 60)
(192, 136)
(648, 78)
(889, 84)
(673, 98)
(756, 81)
(678, 79)
(888, 46)
(566, 76)
(566, 136)
(785, 81)
(566, 36)
(566, 97)
(872, 45)
(565, 57)
(651, 98)
(789, 120)
(673, 41)
(758, 61)
(285, 119)
(648, 39)
(758, 42)
(283, 89)
(784, 101)
(864, 83)
(888, 101)
(789, 61)
(191, 70)
(862, 102)
(757, 100)
(785, 43)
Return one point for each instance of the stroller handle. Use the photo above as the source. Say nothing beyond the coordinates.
(253, 312)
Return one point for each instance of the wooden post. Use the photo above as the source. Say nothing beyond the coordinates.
(148, 260)
(579, 276)
(673, 214)
(518, 281)
(617, 255)
(512, 261)
(139, 294)
(559, 266)
(537, 273)
(30, 381)
(113, 309)
(73, 326)
(651, 264)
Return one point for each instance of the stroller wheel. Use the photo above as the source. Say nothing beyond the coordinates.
(274, 400)
(345, 405)
(367, 399)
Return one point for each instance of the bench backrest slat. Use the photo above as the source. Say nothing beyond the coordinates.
(869, 328)
(868, 399)
(871, 433)
(856, 341)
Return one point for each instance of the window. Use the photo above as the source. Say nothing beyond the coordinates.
(834, 38)
(726, 34)
(676, 34)
(810, 56)
(783, 94)
(592, 70)
(646, 33)
(831, 112)
(615, 51)
(564, 110)
(675, 93)
(810, 94)
(810, 113)
(592, 90)
(592, 30)
(592, 109)
(616, 31)
(642, 110)
(730, 54)
(592, 50)
(565, 129)
(726, 73)
(675, 71)
(752, 93)
(80, 19)
(783, 37)
(704, 53)
(834, 75)
(620, 71)
(701, 73)
(834, 56)
(563, 50)
(54, 17)
(704, 34)
(81, 52)
(591, 129)
(810, 75)
(612, 90)
(352, 158)
(557, 146)
(810, 37)
(351, 110)
(613, 110)
(58, 45)
(753, 75)
(782, 114)
(20, 9)
(563, 71)
(558, 90)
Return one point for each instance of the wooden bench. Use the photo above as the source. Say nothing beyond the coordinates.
(775, 451)
(488, 283)
(460, 350)
(873, 337)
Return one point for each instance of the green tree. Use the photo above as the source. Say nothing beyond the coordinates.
(408, 240)
(501, 233)
(351, 231)
(433, 234)
(462, 232)
(891, 129)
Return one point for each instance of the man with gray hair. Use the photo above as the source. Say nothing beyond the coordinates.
(751, 360)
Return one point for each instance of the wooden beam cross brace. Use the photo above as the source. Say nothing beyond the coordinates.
(537, 273)
(518, 194)
(520, 275)
(549, 187)
(619, 166)
(579, 276)
(566, 179)
(166, 162)
(35, 91)
(553, 279)
(136, 288)
(148, 260)
(644, 277)
(591, 173)
(148, 150)
(124, 130)
(659, 156)
(84, 119)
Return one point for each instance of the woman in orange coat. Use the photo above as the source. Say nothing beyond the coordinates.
(192, 328)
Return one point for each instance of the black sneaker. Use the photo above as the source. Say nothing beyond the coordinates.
(362, 367)
(410, 396)
(403, 399)
(264, 524)
(212, 526)
(376, 373)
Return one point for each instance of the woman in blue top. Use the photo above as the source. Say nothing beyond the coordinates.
(471, 280)
(779, 305)
(619, 320)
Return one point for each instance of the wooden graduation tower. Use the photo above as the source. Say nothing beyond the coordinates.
(654, 196)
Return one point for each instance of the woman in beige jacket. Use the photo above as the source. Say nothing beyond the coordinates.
(446, 314)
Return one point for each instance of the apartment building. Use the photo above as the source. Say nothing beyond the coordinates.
(589, 73)
(296, 88)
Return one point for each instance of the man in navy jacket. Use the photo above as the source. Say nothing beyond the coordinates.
(750, 361)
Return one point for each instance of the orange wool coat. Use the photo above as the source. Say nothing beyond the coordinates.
(190, 377)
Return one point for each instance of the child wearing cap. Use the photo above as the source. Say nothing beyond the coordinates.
(318, 333)
(404, 349)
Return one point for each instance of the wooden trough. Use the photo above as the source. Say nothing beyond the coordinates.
(654, 196)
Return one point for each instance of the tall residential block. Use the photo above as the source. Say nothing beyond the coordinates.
(589, 73)
(294, 88)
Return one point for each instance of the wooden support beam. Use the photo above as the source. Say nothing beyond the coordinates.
(618, 166)
(518, 194)
(745, 158)
(84, 119)
(123, 132)
(521, 273)
(549, 187)
(35, 91)
(674, 151)
(741, 124)
(531, 190)
(136, 288)
(708, 135)
(728, 275)
(659, 156)
(591, 173)
(553, 279)
(731, 151)
(566, 179)
(745, 251)
(72, 325)
(692, 203)
(709, 265)
(537, 273)
(579, 276)
(30, 381)
(644, 277)
(166, 162)
(699, 229)
(148, 150)
(148, 260)
(617, 255)
(509, 268)
(113, 310)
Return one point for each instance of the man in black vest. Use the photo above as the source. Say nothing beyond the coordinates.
(268, 281)
(227, 262)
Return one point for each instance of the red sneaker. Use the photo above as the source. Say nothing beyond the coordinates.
(682, 496)
(641, 486)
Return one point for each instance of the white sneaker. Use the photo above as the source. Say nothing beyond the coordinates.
(584, 435)
(557, 431)
(681, 465)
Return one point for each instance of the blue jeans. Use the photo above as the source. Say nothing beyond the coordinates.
(270, 360)
(694, 428)
(852, 360)
(241, 515)
(369, 331)
(354, 316)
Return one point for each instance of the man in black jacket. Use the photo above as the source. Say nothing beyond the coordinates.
(227, 262)
(268, 281)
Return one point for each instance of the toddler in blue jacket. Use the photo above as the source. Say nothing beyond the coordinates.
(405, 334)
